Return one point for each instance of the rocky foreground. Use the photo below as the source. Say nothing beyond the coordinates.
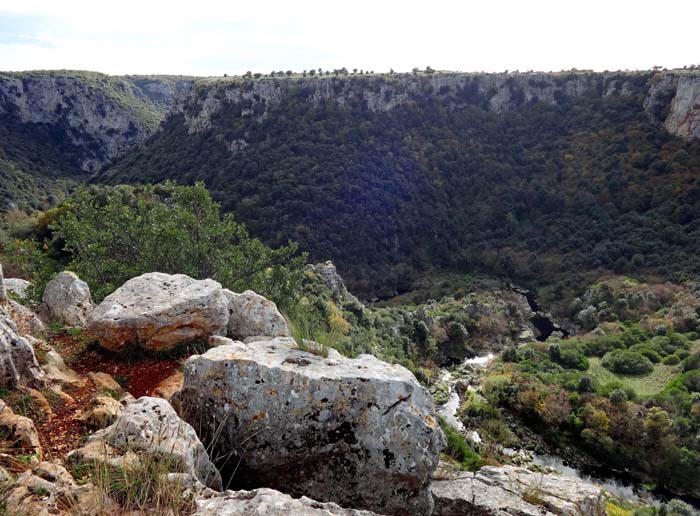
(258, 424)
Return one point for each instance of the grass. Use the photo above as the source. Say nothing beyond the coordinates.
(458, 449)
(644, 385)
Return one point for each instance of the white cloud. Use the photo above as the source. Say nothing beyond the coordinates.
(210, 37)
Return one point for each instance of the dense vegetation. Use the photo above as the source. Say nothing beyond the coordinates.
(110, 235)
(534, 193)
(635, 411)
(40, 162)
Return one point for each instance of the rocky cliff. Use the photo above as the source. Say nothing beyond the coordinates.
(100, 115)
(674, 101)
(675, 94)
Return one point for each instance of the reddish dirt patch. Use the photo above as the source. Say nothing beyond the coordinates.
(62, 432)
(139, 376)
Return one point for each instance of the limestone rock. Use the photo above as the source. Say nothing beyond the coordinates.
(150, 426)
(169, 386)
(28, 322)
(67, 299)
(268, 502)
(159, 311)
(104, 381)
(358, 432)
(18, 365)
(17, 286)
(18, 431)
(49, 490)
(328, 274)
(250, 314)
(514, 491)
(103, 412)
(57, 371)
(674, 100)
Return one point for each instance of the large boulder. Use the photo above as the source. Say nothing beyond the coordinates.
(252, 315)
(159, 311)
(267, 502)
(149, 427)
(18, 364)
(358, 432)
(67, 299)
(515, 491)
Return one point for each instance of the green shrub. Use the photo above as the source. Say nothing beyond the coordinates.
(691, 380)
(627, 362)
(114, 234)
(458, 449)
(645, 350)
(671, 360)
(692, 362)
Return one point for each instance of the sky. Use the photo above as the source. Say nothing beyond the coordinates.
(206, 37)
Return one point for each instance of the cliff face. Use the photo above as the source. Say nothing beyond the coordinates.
(494, 92)
(101, 116)
(674, 101)
(671, 99)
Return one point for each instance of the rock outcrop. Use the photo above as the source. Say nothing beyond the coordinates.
(18, 364)
(18, 287)
(158, 311)
(101, 116)
(674, 101)
(49, 489)
(57, 371)
(18, 431)
(67, 299)
(328, 274)
(251, 315)
(357, 432)
(499, 92)
(514, 491)
(27, 321)
(268, 502)
(150, 427)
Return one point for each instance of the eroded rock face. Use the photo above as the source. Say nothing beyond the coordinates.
(328, 274)
(49, 489)
(252, 315)
(514, 491)
(28, 322)
(18, 431)
(17, 286)
(268, 502)
(159, 311)
(18, 364)
(67, 299)
(674, 100)
(150, 426)
(357, 432)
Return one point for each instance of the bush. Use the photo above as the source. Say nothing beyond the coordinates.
(114, 234)
(645, 350)
(692, 362)
(679, 508)
(458, 449)
(627, 362)
(691, 380)
(671, 360)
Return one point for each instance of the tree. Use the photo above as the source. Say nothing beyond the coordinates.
(114, 234)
